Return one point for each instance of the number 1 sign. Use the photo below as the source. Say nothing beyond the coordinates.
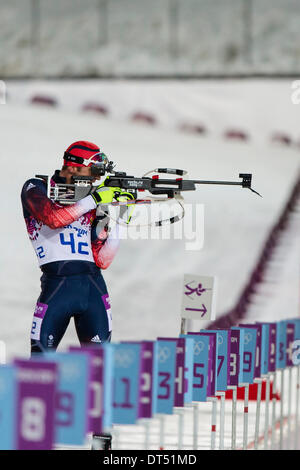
(126, 382)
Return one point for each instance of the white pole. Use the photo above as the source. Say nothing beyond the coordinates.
(246, 411)
(180, 413)
(214, 402)
(267, 402)
(161, 432)
(289, 406)
(297, 408)
(222, 419)
(115, 439)
(257, 418)
(195, 425)
(146, 423)
(273, 411)
(233, 426)
(281, 410)
(234, 405)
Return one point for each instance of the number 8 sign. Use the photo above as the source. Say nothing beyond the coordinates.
(35, 404)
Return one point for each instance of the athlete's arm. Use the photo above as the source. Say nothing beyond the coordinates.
(105, 245)
(35, 201)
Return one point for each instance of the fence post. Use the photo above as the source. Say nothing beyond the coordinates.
(222, 418)
(180, 414)
(161, 418)
(214, 402)
(281, 409)
(246, 410)
(274, 410)
(145, 422)
(257, 418)
(297, 408)
(115, 433)
(267, 402)
(233, 427)
(290, 370)
(195, 425)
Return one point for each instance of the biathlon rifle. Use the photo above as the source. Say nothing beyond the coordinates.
(167, 186)
(170, 187)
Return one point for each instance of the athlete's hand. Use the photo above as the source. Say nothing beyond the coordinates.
(125, 211)
(124, 196)
(105, 194)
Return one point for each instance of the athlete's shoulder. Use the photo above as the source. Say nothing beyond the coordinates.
(35, 183)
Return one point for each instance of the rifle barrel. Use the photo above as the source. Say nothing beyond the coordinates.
(231, 183)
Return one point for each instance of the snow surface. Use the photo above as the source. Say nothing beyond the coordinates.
(258, 107)
(145, 279)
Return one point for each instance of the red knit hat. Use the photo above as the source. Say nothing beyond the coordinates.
(81, 153)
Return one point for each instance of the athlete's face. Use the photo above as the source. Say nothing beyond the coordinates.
(76, 171)
(83, 170)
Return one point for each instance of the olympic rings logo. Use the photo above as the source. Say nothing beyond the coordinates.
(248, 338)
(163, 354)
(198, 347)
(70, 371)
(124, 358)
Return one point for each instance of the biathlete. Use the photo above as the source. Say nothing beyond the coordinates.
(72, 247)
